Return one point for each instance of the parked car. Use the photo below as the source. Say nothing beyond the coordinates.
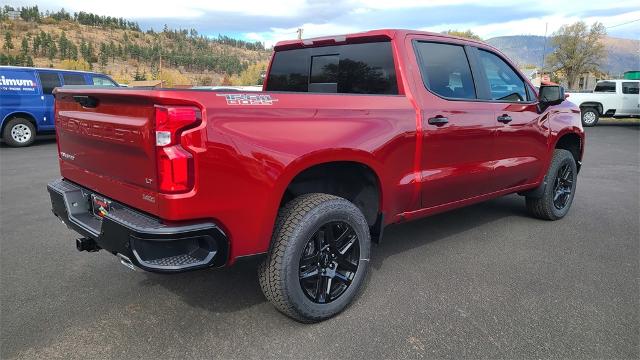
(614, 98)
(26, 100)
(351, 133)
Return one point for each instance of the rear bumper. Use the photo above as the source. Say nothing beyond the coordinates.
(144, 240)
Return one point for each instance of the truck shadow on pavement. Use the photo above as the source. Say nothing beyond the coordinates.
(236, 288)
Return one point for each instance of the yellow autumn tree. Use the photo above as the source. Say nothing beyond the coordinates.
(252, 75)
(75, 65)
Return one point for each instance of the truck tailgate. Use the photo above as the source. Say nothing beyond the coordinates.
(104, 141)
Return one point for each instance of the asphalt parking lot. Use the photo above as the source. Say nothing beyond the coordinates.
(486, 281)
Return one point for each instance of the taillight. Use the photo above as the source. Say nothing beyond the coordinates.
(175, 164)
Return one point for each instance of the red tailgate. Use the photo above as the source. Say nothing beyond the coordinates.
(106, 142)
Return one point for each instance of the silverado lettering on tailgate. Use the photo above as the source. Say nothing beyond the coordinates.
(103, 131)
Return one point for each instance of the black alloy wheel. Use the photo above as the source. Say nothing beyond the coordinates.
(563, 187)
(329, 262)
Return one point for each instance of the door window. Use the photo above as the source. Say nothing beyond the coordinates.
(49, 80)
(504, 83)
(630, 87)
(73, 79)
(102, 81)
(445, 70)
(605, 86)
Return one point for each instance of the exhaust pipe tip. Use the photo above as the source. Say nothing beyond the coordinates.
(85, 244)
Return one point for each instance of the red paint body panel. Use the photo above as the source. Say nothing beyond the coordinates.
(245, 156)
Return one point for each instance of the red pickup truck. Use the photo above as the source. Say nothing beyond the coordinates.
(351, 133)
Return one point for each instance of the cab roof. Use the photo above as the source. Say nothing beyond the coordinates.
(366, 36)
(47, 69)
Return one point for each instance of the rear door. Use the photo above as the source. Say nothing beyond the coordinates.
(457, 130)
(521, 134)
(49, 80)
(630, 98)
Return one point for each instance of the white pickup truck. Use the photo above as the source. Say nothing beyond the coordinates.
(615, 98)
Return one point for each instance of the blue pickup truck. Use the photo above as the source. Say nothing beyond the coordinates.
(26, 100)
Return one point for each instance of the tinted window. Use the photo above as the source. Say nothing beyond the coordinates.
(49, 81)
(630, 87)
(354, 68)
(605, 86)
(504, 82)
(445, 70)
(102, 81)
(324, 73)
(73, 79)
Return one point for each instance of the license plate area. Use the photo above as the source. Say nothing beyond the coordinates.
(100, 206)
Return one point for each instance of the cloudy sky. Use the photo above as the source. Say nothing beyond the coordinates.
(273, 20)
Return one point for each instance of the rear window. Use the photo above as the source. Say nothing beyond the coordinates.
(349, 69)
(605, 86)
(73, 79)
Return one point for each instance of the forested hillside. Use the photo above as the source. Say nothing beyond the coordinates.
(119, 47)
(622, 54)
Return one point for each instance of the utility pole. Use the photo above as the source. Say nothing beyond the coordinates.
(299, 31)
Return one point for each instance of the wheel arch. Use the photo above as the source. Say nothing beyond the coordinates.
(19, 114)
(351, 174)
(593, 104)
(573, 142)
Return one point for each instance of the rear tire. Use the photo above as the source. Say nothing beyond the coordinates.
(318, 259)
(19, 132)
(560, 190)
(590, 116)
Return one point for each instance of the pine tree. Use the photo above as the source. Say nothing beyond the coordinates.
(24, 48)
(8, 44)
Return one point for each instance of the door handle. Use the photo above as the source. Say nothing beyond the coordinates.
(438, 120)
(504, 118)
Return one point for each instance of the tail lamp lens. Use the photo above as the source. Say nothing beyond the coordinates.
(175, 164)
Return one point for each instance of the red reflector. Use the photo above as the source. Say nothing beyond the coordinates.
(175, 169)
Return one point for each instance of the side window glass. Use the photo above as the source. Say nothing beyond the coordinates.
(504, 82)
(101, 81)
(630, 87)
(73, 79)
(49, 80)
(445, 70)
(605, 86)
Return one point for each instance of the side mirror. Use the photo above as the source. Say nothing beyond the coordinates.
(550, 95)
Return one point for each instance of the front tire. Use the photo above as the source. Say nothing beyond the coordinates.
(318, 258)
(19, 132)
(560, 190)
(590, 116)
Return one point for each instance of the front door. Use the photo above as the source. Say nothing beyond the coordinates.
(457, 130)
(520, 146)
(48, 80)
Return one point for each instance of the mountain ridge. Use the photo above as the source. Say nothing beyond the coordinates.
(622, 54)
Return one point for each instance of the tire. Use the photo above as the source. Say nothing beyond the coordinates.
(302, 247)
(19, 132)
(590, 116)
(561, 177)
